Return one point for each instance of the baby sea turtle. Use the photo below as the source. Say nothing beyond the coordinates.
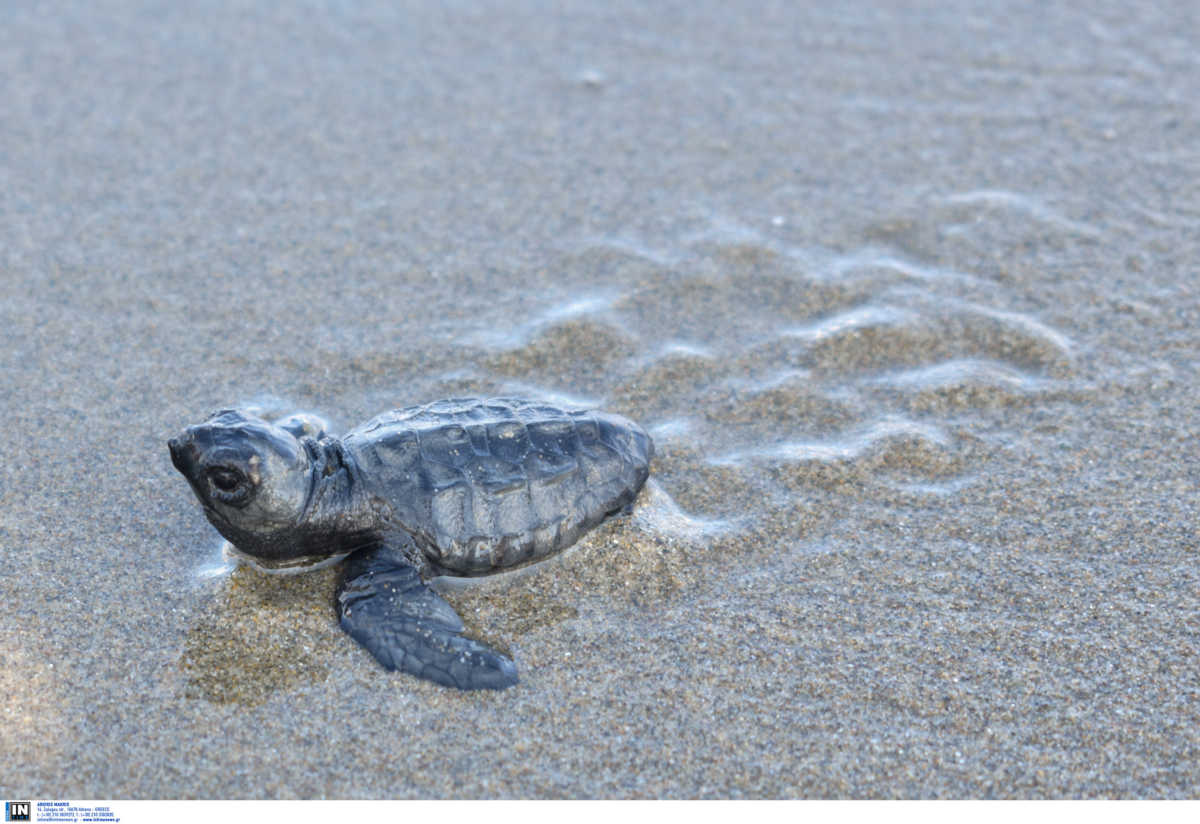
(462, 487)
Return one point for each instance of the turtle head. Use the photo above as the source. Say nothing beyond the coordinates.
(252, 478)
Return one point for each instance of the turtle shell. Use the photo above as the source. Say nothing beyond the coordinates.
(488, 484)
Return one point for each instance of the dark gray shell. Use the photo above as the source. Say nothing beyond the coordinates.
(484, 485)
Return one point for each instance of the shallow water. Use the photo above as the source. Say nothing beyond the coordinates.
(906, 296)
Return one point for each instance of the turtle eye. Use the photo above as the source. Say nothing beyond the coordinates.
(224, 479)
(229, 485)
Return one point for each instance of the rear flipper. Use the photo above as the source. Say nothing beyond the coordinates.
(384, 605)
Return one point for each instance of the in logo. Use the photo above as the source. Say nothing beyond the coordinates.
(16, 810)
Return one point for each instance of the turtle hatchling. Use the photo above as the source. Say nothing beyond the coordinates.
(461, 487)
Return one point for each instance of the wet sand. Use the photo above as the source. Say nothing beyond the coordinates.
(907, 297)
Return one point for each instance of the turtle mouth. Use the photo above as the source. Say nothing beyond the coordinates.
(179, 455)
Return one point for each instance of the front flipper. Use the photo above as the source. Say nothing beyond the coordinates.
(384, 605)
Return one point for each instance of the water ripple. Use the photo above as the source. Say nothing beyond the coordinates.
(659, 514)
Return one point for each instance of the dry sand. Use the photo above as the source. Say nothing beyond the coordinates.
(907, 294)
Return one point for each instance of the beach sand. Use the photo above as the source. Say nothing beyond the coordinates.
(906, 294)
